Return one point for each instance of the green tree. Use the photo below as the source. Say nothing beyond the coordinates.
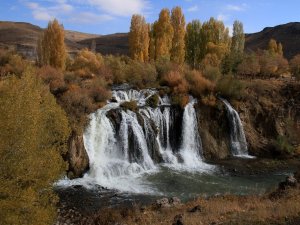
(51, 48)
(139, 39)
(193, 44)
(163, 35)
(238, 39)
(215, 40)
(34, 133)
(178, 44)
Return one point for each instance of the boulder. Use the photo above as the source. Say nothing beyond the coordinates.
(290, 181)
(178, 220)
(77, 156)
(162, 203)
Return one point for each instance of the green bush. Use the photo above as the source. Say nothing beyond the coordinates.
(229, 87)
(283, 145)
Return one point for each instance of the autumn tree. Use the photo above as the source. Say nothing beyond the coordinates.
(215, 39)
(194, 51)
(295, 66)
(152, 41)
(275, 48)
(163, 35)
(178, 43)
(238, 39)
(51, 48)
(34, 133)
(139, 39)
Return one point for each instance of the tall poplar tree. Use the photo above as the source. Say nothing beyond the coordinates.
(51, 46)
(163, 35)
(178, 43)
(238, 39)
(139, 39)
(193, 44)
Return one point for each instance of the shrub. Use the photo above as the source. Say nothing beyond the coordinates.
(11, 63)
(53, 77)
(88, 62)
(180, 99)
(229, 87)
(283, 145)
(117, 67)
(153, 101)
(249, 66)
(132, 106)
(198, 85)
(295, 66)
(212, 73)
(34, 134)
(176, 81)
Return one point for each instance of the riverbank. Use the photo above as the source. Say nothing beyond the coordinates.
(101, 206)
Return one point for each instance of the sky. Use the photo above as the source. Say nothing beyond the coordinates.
(112, 16)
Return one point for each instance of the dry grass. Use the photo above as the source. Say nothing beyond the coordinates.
(216, 210)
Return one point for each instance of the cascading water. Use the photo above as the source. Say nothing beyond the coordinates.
(237, 136)
(122, 150)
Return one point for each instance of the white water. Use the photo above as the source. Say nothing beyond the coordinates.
(120, 158)
(237, 136)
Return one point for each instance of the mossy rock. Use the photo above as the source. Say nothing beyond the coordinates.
(130, 106)
(153, 101)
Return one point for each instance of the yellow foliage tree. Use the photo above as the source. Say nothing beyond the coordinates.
(139, 39)
(178, 42)
(51, 48)
(34, 133)
(163, 34)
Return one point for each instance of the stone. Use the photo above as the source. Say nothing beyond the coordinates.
(178, 220)
(290, 181)
(163, 203)
(175, 201)
(197, 208)
(77, 156)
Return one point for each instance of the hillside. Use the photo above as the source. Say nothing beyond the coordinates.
(23, 37)
(288, 34)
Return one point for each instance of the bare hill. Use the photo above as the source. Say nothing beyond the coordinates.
(288, 34)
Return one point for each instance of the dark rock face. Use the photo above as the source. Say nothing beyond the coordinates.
(176, 127)
(77, 156)
(214, 131)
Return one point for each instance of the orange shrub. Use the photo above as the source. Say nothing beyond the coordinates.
(198, 84)
(53, 77)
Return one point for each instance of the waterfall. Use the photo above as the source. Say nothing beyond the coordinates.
(191, 148)
(237, 136)
(123, 147)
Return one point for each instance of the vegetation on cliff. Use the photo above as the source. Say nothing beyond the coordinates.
(34, 134)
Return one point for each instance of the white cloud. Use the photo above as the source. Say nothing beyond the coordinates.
(223, 17)
(90, 18)
(58, 7)
(193, 9)
(120, 7)
(238, 8)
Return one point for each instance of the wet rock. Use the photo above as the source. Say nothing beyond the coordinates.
(290, 181)
(162, 203)
(178, 220)
(175, 201)
(77, 156)
(197, 208)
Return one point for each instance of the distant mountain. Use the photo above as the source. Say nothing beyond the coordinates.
(288, 34)
(23, 37)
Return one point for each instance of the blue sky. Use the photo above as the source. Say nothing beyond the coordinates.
(111, 16)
